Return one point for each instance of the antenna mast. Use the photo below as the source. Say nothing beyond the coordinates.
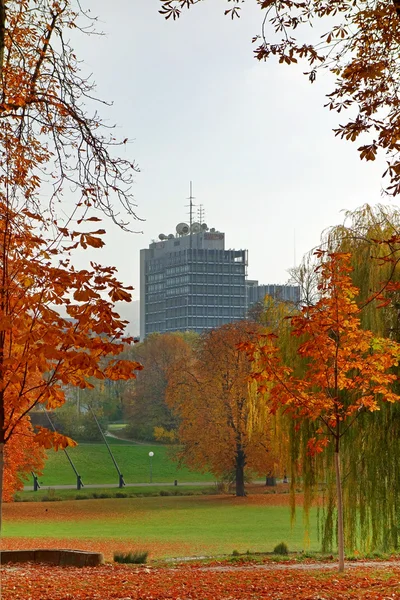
(191, 198)
(200, 213)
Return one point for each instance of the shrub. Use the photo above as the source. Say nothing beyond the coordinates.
(97, 495)
(136, 558)
(121, 495)
(281, 549)
(51, 496)
(235, 553)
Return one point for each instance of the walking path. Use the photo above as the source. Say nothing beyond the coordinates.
(314, 566)
(29, 488)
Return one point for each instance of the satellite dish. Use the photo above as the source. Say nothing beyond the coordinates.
(182, 229)
(196, 228)
(204, 227)
(171, 236)
(162, 236)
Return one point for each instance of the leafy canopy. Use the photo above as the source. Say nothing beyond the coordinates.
(360, 46)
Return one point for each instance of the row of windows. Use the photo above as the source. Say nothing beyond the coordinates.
(154, 265)
(177, 301)
(204, 311)
(177, 270)
(155, 306)
(218, 279)
(216, 254)
(177, 291)
(157, 297)
(155, 287)
(175, 281)
(218, 290)
(227, 268)
(179, 263)
(204, 280)
(205, 296)
(155, 277)
(204, 299)
(211, 256)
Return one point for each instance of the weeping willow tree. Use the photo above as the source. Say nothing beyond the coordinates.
(371, 475)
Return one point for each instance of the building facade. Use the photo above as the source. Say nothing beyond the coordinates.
(189, 281)
(280, 292)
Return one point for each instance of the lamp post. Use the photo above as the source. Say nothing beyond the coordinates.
(151, 454)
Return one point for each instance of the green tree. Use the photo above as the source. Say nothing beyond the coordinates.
(144, 400)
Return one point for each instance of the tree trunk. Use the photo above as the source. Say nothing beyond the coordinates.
(339, 511)
(240, 464)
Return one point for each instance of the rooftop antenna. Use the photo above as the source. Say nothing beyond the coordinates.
(191, 198)
(200, 214)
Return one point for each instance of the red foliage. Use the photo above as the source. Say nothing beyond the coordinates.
(22, 454)
(112, 582)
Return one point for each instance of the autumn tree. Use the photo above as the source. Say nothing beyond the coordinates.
(59, 175)
(144, 400)
(359, 46)
(348, 369)
(50, 145)
(22, 455)
(223, 421)
(42, 352)
(371, 487)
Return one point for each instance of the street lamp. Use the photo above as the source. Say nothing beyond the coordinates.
(151, 454)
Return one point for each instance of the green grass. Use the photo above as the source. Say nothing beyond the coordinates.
(116, 426)
(203, 523)
(130, 492)
(95, 465)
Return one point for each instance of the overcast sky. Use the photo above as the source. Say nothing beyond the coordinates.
(253, 137)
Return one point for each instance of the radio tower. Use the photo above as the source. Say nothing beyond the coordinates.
(191, 198)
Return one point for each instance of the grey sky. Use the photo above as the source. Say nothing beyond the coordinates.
(254, 138)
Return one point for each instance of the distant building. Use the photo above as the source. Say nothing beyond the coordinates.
(189, 281)
(280, 292)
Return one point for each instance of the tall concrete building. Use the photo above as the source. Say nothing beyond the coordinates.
(189, 281)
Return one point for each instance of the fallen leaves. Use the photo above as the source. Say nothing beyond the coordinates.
(122, 582)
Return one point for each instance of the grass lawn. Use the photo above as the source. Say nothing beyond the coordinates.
(95, 465)
(167, 526)
(85, 493)
(113, 427)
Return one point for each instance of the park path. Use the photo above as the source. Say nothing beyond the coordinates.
(313, 566)
(29, 488)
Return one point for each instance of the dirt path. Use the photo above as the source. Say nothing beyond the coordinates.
(312, 566)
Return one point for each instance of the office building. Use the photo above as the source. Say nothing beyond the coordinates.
(189, 281)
